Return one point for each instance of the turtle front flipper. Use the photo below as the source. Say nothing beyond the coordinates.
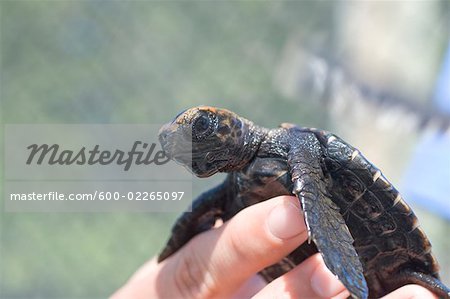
(326, 226)
(206, 209)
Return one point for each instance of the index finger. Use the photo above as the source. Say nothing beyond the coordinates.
(217, 262)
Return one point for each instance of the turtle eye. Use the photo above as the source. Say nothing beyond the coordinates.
(203, 126)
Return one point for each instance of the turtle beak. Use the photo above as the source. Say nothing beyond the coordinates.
(163, 136)
(174, 143)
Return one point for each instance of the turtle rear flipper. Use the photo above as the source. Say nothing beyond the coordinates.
(326, 226)
(427, 281)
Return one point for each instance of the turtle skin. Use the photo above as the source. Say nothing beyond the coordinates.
(366, 233)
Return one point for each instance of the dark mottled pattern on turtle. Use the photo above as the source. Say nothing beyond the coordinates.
(368, 236)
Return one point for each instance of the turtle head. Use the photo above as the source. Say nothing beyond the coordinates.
(208, 140)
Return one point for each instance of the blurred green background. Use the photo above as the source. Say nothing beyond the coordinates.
(144, 61)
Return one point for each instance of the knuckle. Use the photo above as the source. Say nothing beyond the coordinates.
(242, 249)
(236, 246)
(193, 278)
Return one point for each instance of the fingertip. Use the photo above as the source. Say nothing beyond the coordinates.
(288, 284)
(285, 220)
(288, 198)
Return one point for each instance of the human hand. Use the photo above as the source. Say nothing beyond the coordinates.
(223, 262)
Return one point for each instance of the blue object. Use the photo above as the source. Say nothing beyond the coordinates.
(427, 180)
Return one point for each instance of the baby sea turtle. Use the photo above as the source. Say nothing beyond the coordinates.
(368, 236)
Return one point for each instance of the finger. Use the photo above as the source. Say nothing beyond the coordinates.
(310, 279)
(141, 284)
(219, 261)
(411, 291)
(252, 286)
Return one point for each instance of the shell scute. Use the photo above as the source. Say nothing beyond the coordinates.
(368, 207)
(383, 225)
(397, 241)
(418, 243)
